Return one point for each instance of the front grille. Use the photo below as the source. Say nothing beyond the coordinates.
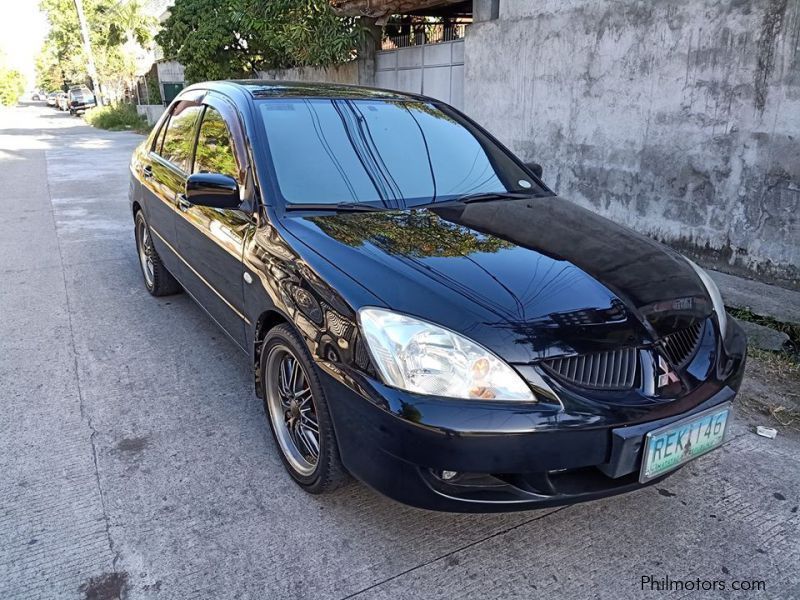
(611, 370)
(361, 356)
(681, 345)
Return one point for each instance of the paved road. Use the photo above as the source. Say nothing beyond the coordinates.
(134, 456)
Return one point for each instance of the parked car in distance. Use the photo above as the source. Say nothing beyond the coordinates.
(62, 101)
(420, 310)
(52, 98)
(79, 98)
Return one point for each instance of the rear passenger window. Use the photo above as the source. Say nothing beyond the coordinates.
(215, 152)
(179, 137)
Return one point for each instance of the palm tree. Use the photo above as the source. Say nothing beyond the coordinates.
(131, 28)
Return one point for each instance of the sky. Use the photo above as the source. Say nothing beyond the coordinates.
(22, 30)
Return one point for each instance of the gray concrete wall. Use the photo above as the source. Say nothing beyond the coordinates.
(680, 118)
(170, 71)
(151, 112)
(343, 73)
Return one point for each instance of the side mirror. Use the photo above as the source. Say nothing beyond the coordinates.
(536, 168)
(212, 189)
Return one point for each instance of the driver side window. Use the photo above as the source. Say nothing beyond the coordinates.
(179, 134)
(215, 149)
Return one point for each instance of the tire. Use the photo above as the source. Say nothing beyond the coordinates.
(323, 473)
(157, 279)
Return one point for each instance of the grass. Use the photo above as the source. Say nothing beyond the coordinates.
(790, 329)
(777, 397)
(777, 372)
(785, 416)
(117, 117)
(776, 364)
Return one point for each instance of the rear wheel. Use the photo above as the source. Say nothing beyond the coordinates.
(157, 279)
(298, 413)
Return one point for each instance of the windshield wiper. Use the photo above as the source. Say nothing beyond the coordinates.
(479, 197)
(336, 207)
(483, 197)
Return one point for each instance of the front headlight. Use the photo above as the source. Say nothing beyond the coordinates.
(716, 297)
(423, 358)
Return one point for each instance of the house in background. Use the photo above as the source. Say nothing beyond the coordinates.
(160, 79)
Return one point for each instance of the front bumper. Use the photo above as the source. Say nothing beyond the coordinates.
(508, 456)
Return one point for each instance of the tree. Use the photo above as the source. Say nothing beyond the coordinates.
(49, 76)
(117, 31)
(12, 85)
(61, 57)
(237, 38)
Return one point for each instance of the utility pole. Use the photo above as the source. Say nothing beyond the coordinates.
(87, 47)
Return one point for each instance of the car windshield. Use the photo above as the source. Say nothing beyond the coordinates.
(386, 153)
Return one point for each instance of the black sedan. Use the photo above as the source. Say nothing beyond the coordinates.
(419, 309)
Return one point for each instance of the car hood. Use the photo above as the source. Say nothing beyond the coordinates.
(527, 278)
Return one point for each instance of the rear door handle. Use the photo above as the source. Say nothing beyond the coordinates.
(183, 203)
(147, 172)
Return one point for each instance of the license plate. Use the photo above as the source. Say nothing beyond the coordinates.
(670, 446)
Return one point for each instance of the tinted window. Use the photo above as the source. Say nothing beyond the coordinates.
(390, 152)
(214, 153)
(179, 137)
(158, 142)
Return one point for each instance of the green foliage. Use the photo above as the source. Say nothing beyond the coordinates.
(12, 84)
(790, 329)
(117, 117)
(214, 153)
(153, 91)
(49, 76)
(179, 137)
(237, 38)
(61, 59)
(116, 30)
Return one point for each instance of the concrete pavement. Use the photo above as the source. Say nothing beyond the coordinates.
(136, 462)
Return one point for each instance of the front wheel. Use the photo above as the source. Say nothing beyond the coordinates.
(298, 412)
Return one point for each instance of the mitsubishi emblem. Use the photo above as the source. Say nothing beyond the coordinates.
(668, 375)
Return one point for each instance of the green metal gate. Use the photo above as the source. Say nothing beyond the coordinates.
(171, 90)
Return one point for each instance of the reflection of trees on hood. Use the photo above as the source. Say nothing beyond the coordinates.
(414, 233)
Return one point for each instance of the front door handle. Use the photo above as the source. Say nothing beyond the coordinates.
(183, 203)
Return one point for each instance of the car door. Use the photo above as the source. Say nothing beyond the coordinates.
(163, 176)
(212, 238)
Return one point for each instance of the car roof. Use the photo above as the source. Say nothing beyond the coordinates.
(260, 88)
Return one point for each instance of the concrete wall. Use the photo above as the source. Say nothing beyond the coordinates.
(680, 118)
(344, 73)
(170, 71)
(151, 112)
